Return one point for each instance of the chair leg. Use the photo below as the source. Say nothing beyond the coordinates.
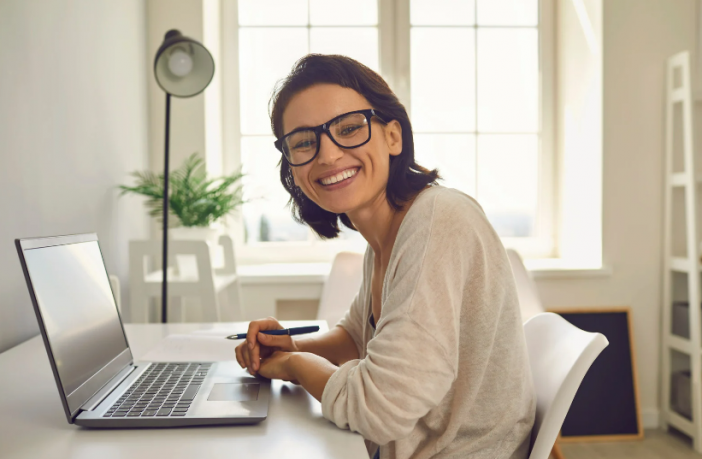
(140, 306)
(556, 452)
(209, 307)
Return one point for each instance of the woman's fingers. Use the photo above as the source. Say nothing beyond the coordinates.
(251, 337)
(247, 359)
(239, 358)
(282, 342)
(243, 356)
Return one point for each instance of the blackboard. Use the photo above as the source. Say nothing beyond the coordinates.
(606, 406)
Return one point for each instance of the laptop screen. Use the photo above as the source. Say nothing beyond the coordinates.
(78, 309)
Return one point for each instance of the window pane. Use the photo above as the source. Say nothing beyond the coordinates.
(343, 12)
(265, 56)
(272, 12)
(452, 154)
(360, 43)
(508, 12)
(443, 79)
(442, 12)
(508, 87)
(266, 217)
(508, 182)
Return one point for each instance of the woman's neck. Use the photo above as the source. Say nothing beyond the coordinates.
(378, 223)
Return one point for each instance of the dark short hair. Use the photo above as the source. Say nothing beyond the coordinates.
(406, 178)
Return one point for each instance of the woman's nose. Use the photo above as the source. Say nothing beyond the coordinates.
(329, 152)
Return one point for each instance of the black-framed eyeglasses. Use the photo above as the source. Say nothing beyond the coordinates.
(350, 130)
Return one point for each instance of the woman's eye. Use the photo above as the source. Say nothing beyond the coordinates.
(346, 130)
(303, 145)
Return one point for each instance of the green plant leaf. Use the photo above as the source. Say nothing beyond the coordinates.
(194, 199)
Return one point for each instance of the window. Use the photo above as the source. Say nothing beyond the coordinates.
(472, 74)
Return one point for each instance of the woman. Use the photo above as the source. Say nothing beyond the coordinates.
(430, 360)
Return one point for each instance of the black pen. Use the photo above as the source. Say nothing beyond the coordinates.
(284, 331)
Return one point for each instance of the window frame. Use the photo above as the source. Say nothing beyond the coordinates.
(394, 64)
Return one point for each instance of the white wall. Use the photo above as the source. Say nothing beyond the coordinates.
(638, 36)
(73, 123)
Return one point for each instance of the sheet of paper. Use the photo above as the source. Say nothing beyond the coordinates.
(219, 332)
(193, 347)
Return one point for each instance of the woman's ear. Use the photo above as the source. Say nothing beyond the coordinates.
(393, 137)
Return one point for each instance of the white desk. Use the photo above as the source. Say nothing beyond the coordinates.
(33, 424)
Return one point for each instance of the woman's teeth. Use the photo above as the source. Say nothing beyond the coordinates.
(339, 177)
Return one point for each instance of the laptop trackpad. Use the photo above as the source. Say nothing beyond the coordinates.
(234, 393)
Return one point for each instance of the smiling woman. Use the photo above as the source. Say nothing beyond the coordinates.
(323, 84)
(430, 359)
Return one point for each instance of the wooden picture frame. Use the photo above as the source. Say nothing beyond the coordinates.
(639, 435)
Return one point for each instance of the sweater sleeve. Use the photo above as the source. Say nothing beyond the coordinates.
(412, 361)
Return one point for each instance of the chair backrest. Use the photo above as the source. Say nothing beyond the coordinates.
(529, 302)
(144, 253)
(196, 280)
(560, 355)
(341, 287)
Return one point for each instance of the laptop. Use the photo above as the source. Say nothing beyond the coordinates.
(98, 381)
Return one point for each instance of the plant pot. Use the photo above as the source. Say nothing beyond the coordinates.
(186, 264)
(195, 233)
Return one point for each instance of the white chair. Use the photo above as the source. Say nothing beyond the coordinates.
(529, 302)
(185, 280)
(560, 355)
(341, 287)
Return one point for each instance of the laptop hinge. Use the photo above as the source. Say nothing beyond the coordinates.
(107, 389)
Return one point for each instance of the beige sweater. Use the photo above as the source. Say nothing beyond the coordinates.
(445, 373)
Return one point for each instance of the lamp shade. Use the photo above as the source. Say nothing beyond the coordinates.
(183, 67)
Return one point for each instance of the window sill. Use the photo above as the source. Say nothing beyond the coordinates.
(283, 273)
(313, 273)
(557, 268)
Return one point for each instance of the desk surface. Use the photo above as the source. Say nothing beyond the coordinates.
(33, 424)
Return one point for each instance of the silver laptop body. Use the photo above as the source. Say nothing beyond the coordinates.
(97, 379)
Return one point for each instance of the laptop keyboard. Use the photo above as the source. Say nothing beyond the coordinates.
(164, 389)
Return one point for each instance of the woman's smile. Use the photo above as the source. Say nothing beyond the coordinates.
(336, 179)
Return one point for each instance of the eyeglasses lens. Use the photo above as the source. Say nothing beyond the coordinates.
(350, 131)
(300, 146)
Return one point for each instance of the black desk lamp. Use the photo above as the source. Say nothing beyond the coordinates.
(183, 68)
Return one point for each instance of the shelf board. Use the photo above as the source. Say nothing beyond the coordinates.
(680, 264)
(678, 95)
(680, 179)
(680, 344)
(682, 424)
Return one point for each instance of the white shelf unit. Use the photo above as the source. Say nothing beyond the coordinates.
(682, 267)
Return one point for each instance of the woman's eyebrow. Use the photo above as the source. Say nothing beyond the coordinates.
(307, 126)
(302, 126)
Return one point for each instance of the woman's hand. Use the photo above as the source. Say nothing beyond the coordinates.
(278, 366)
(259, 345)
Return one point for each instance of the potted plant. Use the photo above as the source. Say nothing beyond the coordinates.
(195, 201)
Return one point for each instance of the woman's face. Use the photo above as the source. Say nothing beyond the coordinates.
(360, 174)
